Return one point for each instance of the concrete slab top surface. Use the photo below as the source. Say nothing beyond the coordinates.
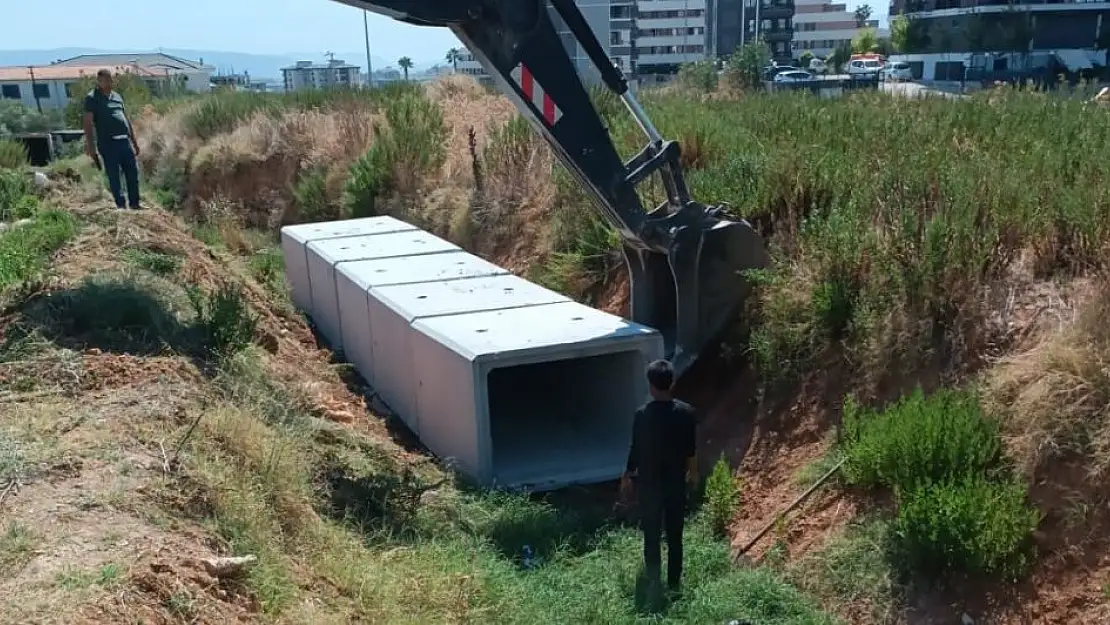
(346, 227)
(377, 272)
(408, 243)
(451, 297)
(485, 334)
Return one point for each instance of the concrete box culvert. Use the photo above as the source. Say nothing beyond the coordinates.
(393, 310)
(295, 240)
(537, 397)
(356, 278)
(324, 257)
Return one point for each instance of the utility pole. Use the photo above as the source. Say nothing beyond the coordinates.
(366, 33)
(34, 92)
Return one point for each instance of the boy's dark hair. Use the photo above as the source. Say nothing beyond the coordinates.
(660, 375)
(105, 73)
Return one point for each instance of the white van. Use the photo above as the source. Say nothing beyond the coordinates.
(818, 66)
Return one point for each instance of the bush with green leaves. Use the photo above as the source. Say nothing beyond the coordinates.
(16, 118)
(919, 440)
(405, 152)
(744, 69)
(699, 75)
(722, 496)
(225, 320)
(311, 195)
(972, 525)
(13, 155)
(17, 199)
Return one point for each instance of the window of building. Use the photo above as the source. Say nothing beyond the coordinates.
(69, 89)
(41, 90)
(615, 37)
(10, 92)
(620, 12)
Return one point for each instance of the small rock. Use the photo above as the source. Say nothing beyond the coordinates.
(228, 567)
(41, 180)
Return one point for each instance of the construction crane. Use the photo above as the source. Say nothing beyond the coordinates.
(685, 260)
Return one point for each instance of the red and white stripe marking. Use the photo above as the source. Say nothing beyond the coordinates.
(534, 92)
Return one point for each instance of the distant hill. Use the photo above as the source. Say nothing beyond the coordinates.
(260, 66)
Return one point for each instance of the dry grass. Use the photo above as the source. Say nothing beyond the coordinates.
(1055, 397)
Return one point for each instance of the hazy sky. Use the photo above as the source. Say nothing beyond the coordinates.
(259, 26)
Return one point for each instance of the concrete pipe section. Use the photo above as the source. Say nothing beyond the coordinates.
(516, 385)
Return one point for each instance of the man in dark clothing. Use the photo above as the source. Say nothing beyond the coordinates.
(115, 139)
(662, 459)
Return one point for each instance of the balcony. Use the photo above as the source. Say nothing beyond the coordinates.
(778, 34)
(774, 10)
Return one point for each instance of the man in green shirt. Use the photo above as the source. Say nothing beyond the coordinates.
(114, 139)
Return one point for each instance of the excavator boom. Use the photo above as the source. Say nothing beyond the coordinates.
(684, 260)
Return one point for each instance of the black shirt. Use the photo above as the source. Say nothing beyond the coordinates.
(109, 119)
(663, 437)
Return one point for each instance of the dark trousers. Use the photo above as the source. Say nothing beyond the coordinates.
(116, 155)
(663, 511)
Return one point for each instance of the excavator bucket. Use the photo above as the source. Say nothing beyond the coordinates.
(695, 291)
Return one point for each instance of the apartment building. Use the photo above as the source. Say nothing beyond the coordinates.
(309, 75)
(668, 33)
(732, 23)
(820, 26)
(948, 36)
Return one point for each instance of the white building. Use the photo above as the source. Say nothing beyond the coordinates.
(50, 87)
(197, 76)
(309, 75)
(820, 26)
(668, 33)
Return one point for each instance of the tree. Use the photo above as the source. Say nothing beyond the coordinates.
(899, 33)
(406, 64)
(863, 13)
(865, 42)
(839, 57)
(745, 66)
(805, 59)
(454, 55)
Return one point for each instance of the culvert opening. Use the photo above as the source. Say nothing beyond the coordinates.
(563, 422)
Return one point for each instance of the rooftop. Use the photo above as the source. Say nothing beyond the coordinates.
(55, 72)
(333, 64)
(158, 60)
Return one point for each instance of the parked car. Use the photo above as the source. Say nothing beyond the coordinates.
(795, 75)
(896, 70)
(818, 66)
(864, 67)
(770, 72)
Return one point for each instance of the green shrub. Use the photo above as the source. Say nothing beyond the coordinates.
(16, 118)
(158, 263)
(411, 148)
(368, 178)
(699, 75)
(13, 155)
(311, 195)
(24, 249)
(225, 319)
(16, 195)
(722, 496)
(919, 441)
(973, 525)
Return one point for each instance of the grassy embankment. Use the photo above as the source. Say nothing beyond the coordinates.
(895, 226)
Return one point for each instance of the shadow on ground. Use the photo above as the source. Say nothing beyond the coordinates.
(113, 316)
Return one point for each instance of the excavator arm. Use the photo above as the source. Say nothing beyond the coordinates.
(684, 261)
